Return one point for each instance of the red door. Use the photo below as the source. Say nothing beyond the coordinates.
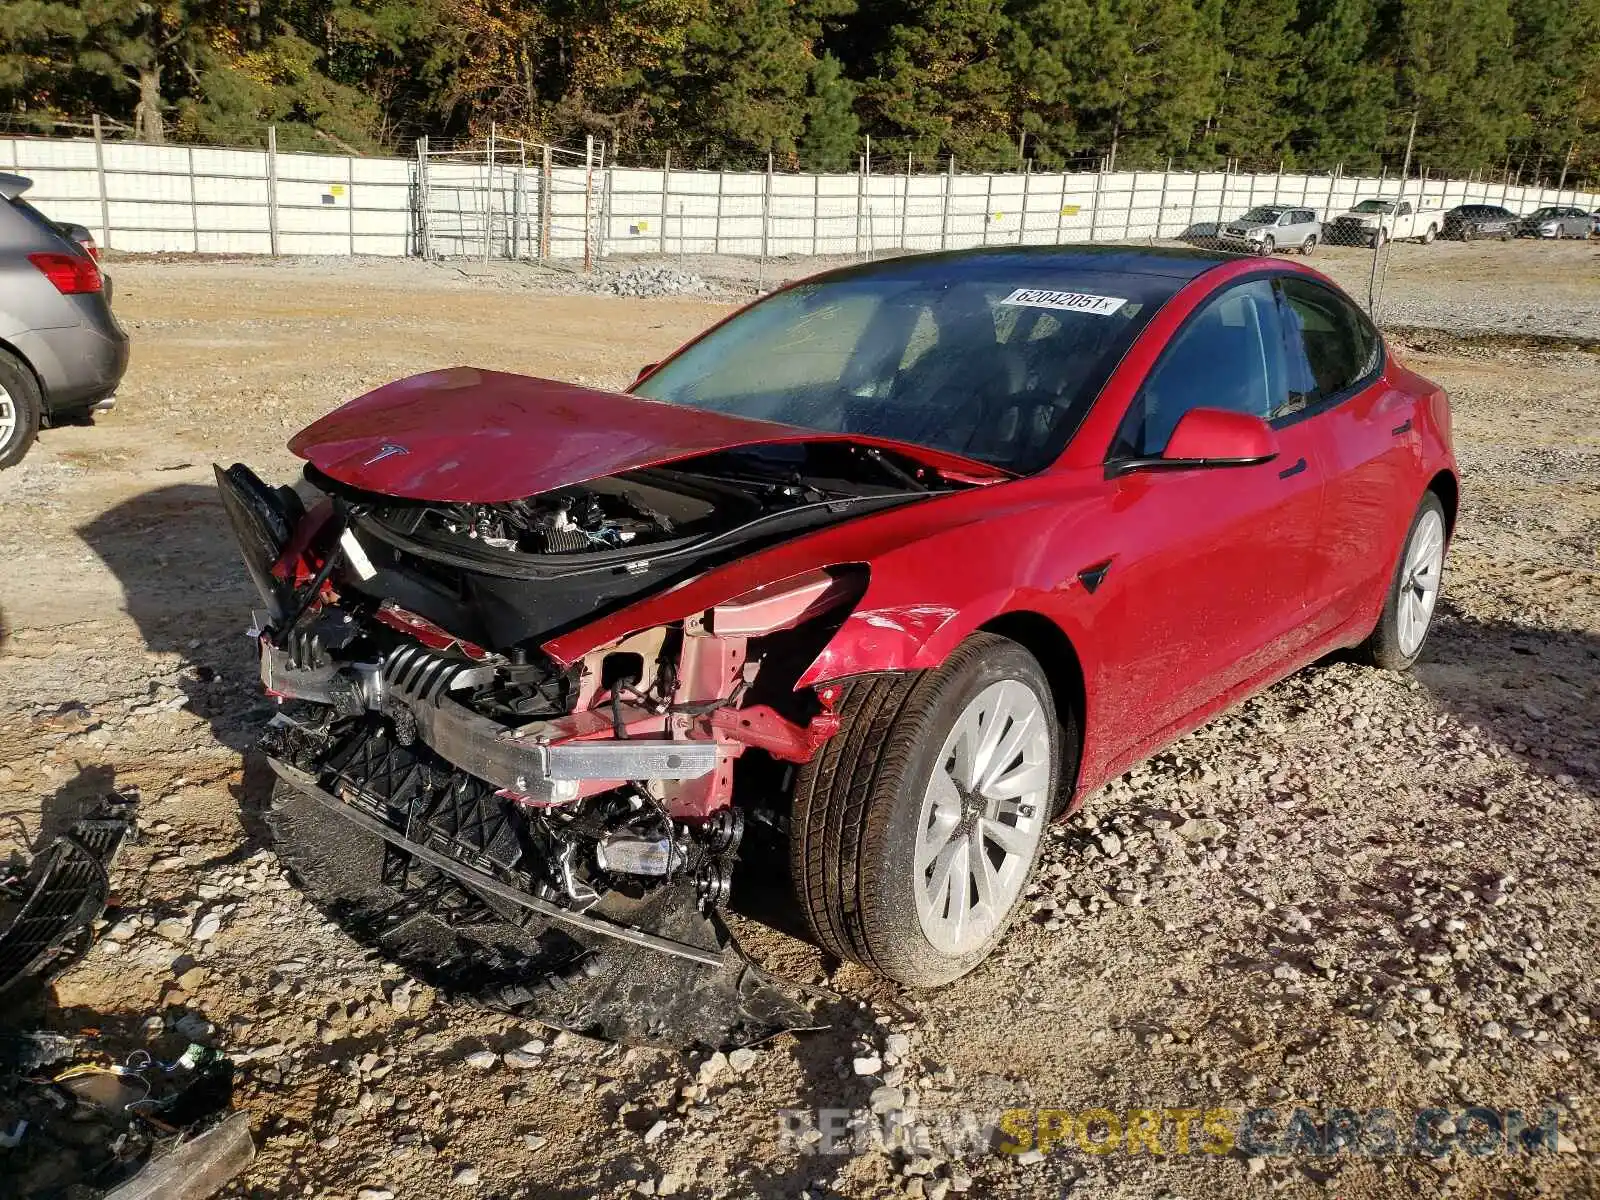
(1370, 445)
(1209, 567)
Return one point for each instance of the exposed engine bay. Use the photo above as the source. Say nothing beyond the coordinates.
(586, 806)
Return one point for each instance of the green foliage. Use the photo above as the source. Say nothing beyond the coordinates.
(832, 130)
(1492, 83)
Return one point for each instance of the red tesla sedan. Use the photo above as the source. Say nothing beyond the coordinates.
(893, 565)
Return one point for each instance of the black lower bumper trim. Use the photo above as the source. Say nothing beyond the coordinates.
(443, 863)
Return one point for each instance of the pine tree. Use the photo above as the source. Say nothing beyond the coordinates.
(832, 131)
(1147, 77)
(738, 90)
(1260, 76)
(937, 82)
(1455, 71)
(1345, 91)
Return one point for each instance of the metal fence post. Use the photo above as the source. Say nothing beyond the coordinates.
(944, 216)
(716, 229)
(488, 195)
(588, 195)
(988, 205)
(905, 201)
(1022, 217)
(1094, 204)
(766, 207)
(666, 199)
(816, 210)
(1161, 207)
(194, 208)
(1061, 207)
(546, 202)
(1222, 198)
(272, 189)
(422, 197)
(100, 174)
(349, 199)
(861, 176)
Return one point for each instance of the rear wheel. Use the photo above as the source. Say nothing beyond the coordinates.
(917, 827)
(1310, 244)
(1431, 233)
(1413, 592)
(19, 409)
(1468, 233)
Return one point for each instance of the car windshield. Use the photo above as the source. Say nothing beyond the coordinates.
(1481, 210)
(990, 358)
(1374, 206)
(1544, 212)
(1262, 214)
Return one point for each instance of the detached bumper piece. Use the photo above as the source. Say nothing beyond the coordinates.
(428, 864)
(66, 889)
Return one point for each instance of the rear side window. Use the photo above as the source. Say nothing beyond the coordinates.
(1229, 356)
(1332, 350)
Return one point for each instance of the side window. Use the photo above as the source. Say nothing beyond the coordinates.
(1331, 347)
(1228, 355)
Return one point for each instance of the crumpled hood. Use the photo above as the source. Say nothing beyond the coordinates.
(466, 435)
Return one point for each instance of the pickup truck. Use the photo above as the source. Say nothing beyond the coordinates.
(1374, 222)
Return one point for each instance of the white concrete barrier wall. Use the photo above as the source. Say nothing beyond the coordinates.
(200, 199)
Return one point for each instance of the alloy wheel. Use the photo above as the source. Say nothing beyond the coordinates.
(1419, 581)
(8, 418)
(982, 816)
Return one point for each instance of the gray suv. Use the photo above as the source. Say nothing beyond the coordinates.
(1270, 228)
(62, 353)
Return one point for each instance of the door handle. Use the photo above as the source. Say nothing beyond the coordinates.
(1402, 429)
(1294, 470)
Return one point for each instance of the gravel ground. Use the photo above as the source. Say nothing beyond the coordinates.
(1357, 890)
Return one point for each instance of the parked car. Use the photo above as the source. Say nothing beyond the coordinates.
(1269, 228)
(1470, 221)
(1374, 222)
(1557, 222)
(882, 573)
(62, 352)
(81, 235)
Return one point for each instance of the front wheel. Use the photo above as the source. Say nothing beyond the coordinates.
(19, 410)
(1309, 245)
(1413, 592)
(1268, 245)
(917, 827)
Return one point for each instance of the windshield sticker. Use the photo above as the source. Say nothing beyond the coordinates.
(1100, 306)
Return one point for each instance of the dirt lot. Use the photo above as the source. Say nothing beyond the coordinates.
(1358, 891)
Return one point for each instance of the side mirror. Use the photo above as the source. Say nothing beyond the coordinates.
(1216, 437)
(1207, 437)
(643, 371)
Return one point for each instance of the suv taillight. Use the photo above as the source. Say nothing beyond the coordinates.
(71, 274)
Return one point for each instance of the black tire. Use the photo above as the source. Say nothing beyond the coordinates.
(1382, 648)
(1432, 232)
(23, 390)
(1468, 233)
(857, 804)
(1269, 245)
(1308, 246)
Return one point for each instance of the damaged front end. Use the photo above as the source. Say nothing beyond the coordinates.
(557, 838)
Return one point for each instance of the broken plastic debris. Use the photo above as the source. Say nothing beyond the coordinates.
(194, 1169)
